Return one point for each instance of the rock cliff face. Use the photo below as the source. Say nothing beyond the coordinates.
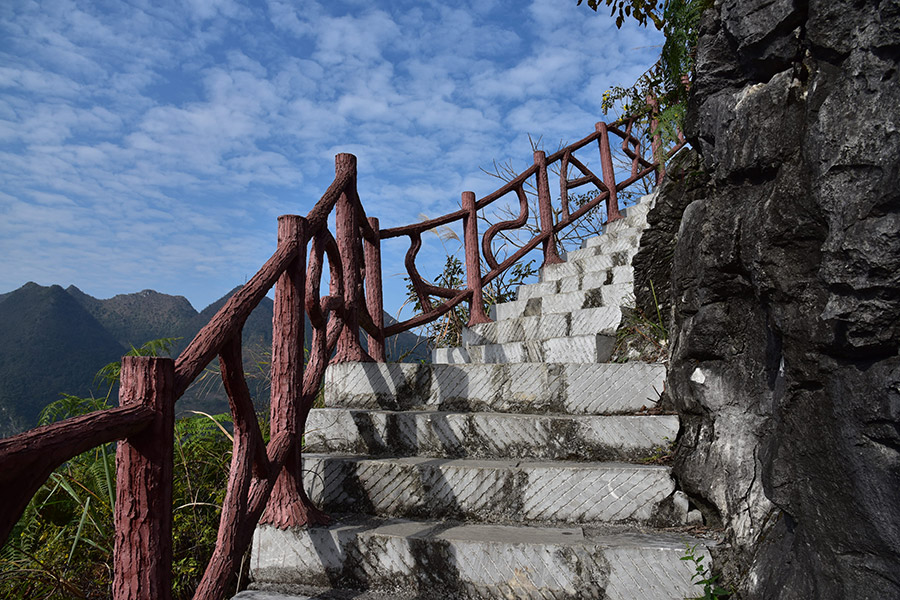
(786, 297)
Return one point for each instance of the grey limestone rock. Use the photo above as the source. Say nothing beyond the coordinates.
(785, 287)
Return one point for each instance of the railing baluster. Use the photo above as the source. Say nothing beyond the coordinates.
(564, 184)
(656, 145)
(473, 261)
(551, 254)
(374, 293)
(609, 174)
(284, 508)
(346, 221)
(142, 556)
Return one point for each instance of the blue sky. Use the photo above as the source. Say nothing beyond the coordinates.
(152, 144)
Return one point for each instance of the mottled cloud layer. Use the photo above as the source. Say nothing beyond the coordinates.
(152, 144)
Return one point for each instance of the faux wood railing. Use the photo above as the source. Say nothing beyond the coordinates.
(538, 173)
(265, 484)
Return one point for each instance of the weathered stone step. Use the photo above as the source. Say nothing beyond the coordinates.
(616, 294)
(482, 490)
(432, 560)
(604, 320)
(488, 435)
(571, 349)
(586, 261)
(634, 215)
(622, 239)
(608, 244)
(594, 389)
(589, 280)
(266, 591)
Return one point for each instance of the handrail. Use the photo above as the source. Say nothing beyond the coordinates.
(265, 484)
(27, 459)
(607, 185)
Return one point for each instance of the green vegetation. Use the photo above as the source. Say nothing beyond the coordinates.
(640, 338)
(640, 10)
(62, 545)
(662, 454)
(446, 331)
(702, 576)
(668, 81)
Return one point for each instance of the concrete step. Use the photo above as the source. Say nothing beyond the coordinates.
(588, 280)
(487, 435)
(624, 238)
(433, 560)
(604, 320)
(628, 240)
(572, 349)
(634, 215)
(592, 389)
(616, 294)
(269, 591)
(482, 490)
(586, 261)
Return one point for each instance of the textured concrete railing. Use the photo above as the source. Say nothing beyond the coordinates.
(607, 185)
(265, 483)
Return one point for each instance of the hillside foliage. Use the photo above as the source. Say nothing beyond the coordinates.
(61, 547)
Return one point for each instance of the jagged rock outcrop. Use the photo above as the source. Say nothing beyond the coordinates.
(786, 294)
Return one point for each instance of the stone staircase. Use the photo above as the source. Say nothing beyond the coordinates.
(511, 467)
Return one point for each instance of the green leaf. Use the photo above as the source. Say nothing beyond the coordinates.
(84, 514)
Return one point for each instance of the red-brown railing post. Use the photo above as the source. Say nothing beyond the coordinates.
(609, 174)
(551, 255)
(374, 293)
(473, 260)
(142, 555)
(656, 145)
(346, 223)
(284, 508)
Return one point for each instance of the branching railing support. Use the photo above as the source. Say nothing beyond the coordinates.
(346, 222)
(142, 556)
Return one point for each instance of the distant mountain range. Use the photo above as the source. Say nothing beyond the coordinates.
(54, 340)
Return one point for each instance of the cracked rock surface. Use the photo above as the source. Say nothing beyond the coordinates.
(785, 294)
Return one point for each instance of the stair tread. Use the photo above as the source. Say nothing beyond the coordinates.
(489, 463)
(429, 559)
(460, 434)
(495, 414)
(598, 388)
(627, 535)
(578, 349)
(584, 280)
(603, 320)
(487, 490)
(614, 294)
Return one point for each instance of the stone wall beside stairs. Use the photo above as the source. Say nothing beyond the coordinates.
(785, 285)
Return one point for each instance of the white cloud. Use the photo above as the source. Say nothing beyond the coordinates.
(152, 144)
